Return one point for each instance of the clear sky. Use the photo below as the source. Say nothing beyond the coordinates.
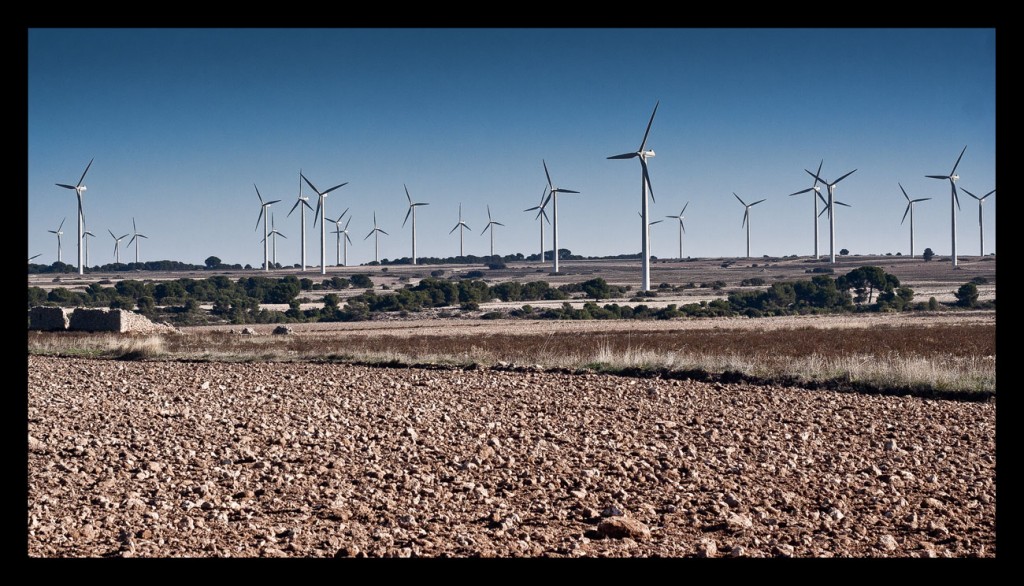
(181, 123)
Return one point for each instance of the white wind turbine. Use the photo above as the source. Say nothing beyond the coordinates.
(981, 222)
(830, 207)
(303, 203)
(59, 233)
(645, 187)
(649, 224)
(343, 233)
(412, 211)
(553, 196)
(682, 229)
(79, 189)
(542, 216)
(461, 227)
(117, 246)
(746, 218)
(376, 239)
(338, 232)
(85, 236)
(490, 224)
(136, 238)
(321, 205)
(264, 215)
(910, 210)
(817, 195)
(273, 234)
(954, 201)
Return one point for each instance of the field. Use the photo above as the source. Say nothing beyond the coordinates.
(852, 436)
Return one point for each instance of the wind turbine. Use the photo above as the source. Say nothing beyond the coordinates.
(461, 226)
(981, 223)
(136, 238)
(910, 210)
(304, 203)
(85, 236)
(649, 224)
(553, 196)
(746, 218)
(321, 205)
(274, 233)
(376, 239)
(264, 214)
(645, 187)
(682, 229)
(829, 206)
(954, 201)
(817, 195)
(338, 231)
(59, 233)
(412, 211)
(117, 246)
(344, 232)
(541, 215)
(490, 223)
(79, 189)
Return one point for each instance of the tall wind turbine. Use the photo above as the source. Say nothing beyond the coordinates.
(910, 210)
(817, 195)
(117, 246)
(542, 216)
(321, 205)
(274, 233)
(264, 214)
(376, 239)
(85, 236)
(412, 211)
(830, 206)
(490, 225)
(338, 232)
(682, 229)
(59, 233)
(136, 238)
(303, 203)
(343, 233)
(461, 227)
(79, 189)
(645, 187)
(981, 223)
(553, 195)
(954, 201)
(746, 218)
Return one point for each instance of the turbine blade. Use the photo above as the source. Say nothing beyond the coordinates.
(531, 209)
(843, 177)
(90, 165)
(407, 214)
(802, 191)
(923, 199)
(953, 172)
(816, 177)
(822, 198)
(333, 188)
(970, 194)
(839, 203)
(550, 185)
(112, 234)
(407, 196)
(937, 176)
(383, 232)
(258, 218)
(746, 214)
(258, 193)
(313, 187)
(955, 198)
(822, 212)
(348, 222)
(904, 191)
(905, 212)
(684, 208)
(988, 194)
(647, 177)
(624, 156)
(757, 202)
(349, 240)
(65, 185)
(560, 190)
(455, 228)
(741, 201)
(818, 174)
(293, 207)
(62, 224)
(648, 131)
(499, 223)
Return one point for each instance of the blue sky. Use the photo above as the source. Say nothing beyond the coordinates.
(181, 123)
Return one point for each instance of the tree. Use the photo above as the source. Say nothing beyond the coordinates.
(212, 262)
(596, 288)
(967, 295)
(844, 252)
(928, 254)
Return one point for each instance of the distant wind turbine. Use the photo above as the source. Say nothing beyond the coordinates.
(645, 187)
(59, 233)
(746, 218)
(830, 206)
(264, 215)
(553, 196)
(343, 233)
(981, 222)
(136, 238)
(303, 204)
(910, 210)
(682, 229)
(79, 189)
(321, 205)
(461, 226)
(117, 246)
(85, 236)
(338, 232)
(954, 201)
(490, 224)
(814, 199)
(542, 216)
(274, 233)
(649, 224)
(412, 211)
(376, 232)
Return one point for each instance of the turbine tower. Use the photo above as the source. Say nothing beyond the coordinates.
(461, 226)
(343, 232)
(412, 211)
(136, 238)
(814, 200)
(830, 207)
(376, 239)
(79, 189)
(338, 232)
(303, 203)
(553, 196)
(59, 233)
(981, 222)
(542, 216)
(910, 210)
(117, 246)
(490, 223)
(682, 228)
(85, 236)
(746, 218)
(321, 205)
(645, 187)
(954, 201)
(264, 214)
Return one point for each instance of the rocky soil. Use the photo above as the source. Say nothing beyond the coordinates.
(165, 459)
